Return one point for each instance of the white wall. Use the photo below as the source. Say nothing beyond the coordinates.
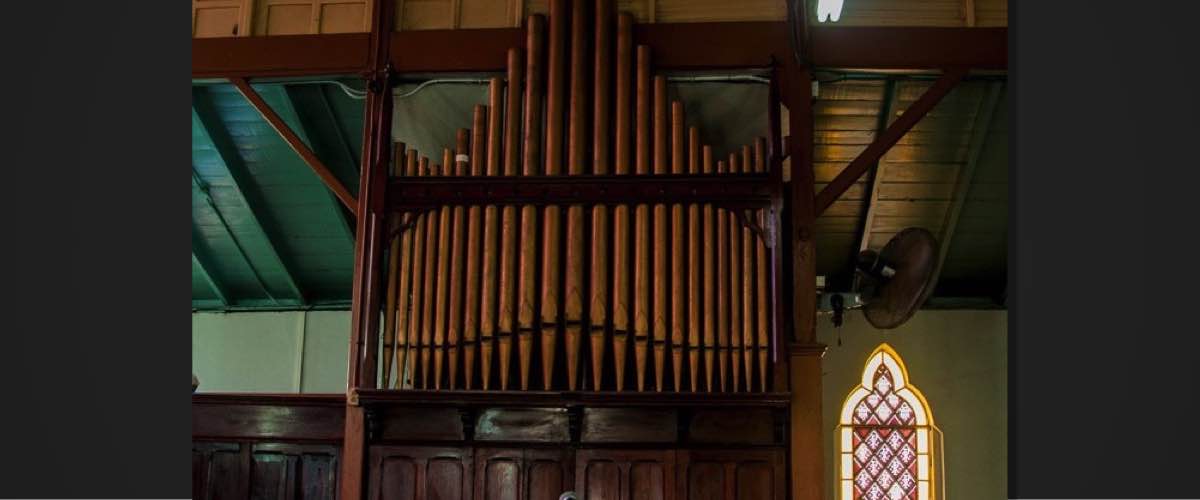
(294, 351)
(959, 360)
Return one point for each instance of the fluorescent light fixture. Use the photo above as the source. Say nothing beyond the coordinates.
(829, 10)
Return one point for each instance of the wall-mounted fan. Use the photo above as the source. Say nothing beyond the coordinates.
(897, 280)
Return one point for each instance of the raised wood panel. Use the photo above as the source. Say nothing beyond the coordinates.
(350, 17)
(498, 473)
(267, 422)
(637, 8)
(732, 426)
(284, 17)
(522, 474)
(548, 473)
(626, 425)
(288, 471)
(424, 14)
(446, 478)
(218, 472)
(625, 474)
(216, 18)
(489, 14)
(684, 11)
(420, 472)
(755, 480)
(425, 424)
(731, 475)
(523, 424)
(296, 17)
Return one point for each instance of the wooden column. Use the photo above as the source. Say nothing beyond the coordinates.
(804, 353)
(368, 250)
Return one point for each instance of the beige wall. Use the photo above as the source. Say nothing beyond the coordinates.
(289, 352)
(958, 359)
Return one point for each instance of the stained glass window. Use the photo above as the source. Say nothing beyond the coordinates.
(884, 433)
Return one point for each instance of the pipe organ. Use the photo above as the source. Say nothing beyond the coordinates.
(647, 294)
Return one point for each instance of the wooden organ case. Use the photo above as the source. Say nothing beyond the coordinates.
(580, 296)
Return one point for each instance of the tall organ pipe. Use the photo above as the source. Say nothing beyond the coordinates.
(551, 222)
(508, 218)
(576, 160)
(641, 244)
(601, 128)
(474, 249)
(623, 148)
(526, 286)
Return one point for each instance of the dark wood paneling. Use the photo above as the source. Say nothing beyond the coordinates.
(420, 472)
(264, 471)
(446, 478)
(289, 471)
(268, 417)
(629, 425)
(548, 473)
(732, 426)
(522, 474)
(603, 474)
(755, 480)
(498, 473)
(703, 481)
(219, 471)
(731, 474)
(423, 424)
(523, 424)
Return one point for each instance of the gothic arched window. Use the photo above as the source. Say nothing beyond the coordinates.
(885, 435)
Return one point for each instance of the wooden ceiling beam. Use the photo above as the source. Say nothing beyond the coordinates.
(231, 162)
(296, 144)
(288, 110)
(884, 142)
(979, 133)
(886, 108)
(213, 283)
(677, 46)
(202, 189)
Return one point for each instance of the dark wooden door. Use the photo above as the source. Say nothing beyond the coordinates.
(604, 474)
(522, 474)
(731, 475)
(420, 472)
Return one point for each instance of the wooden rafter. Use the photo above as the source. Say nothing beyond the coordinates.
(213, 283)
(979, 132)
(202, 189)
(884, 142)
(296, 143)
(886, 108)
(288, 110)
(203, 116)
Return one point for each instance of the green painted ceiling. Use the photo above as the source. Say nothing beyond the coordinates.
(266, 233)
